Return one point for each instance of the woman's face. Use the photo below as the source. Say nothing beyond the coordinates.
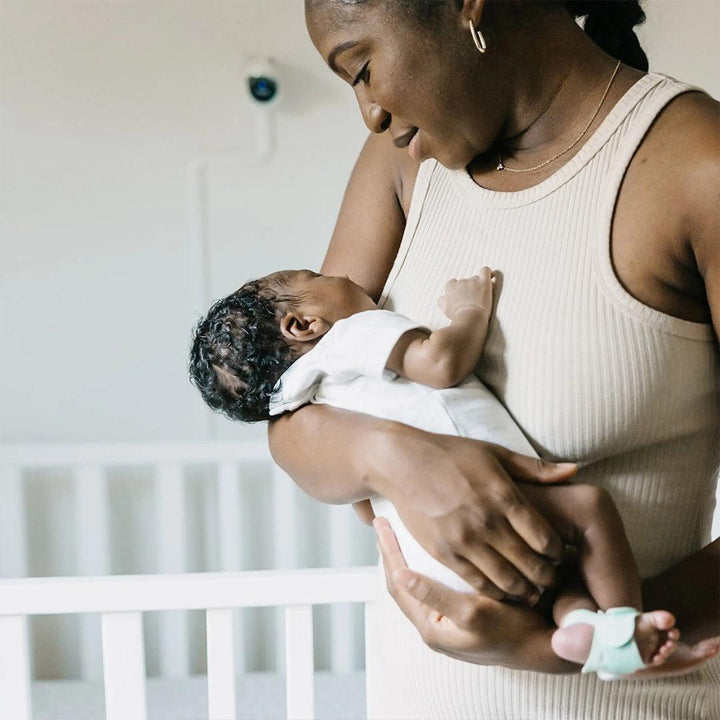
(421, 82)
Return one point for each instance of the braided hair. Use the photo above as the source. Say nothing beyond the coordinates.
(610, 23)
(238, 352)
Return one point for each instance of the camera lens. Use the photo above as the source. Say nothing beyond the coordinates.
(263, 89)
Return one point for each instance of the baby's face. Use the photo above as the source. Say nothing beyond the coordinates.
(333, 298)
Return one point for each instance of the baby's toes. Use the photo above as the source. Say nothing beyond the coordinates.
(664, 652)
(661, 619)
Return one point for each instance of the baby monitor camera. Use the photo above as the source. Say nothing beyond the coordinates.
(262, 80)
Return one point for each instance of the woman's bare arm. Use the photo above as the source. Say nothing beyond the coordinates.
(691, 589)
(371, 221)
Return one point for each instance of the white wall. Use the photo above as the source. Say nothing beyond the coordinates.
(104, 105)
(682, 39)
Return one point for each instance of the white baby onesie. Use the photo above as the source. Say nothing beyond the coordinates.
(346, 369)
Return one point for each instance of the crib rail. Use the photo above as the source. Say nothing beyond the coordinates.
(121, 600)
(230, 464)
(33, 455)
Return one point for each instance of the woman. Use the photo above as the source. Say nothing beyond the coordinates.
(503, 135)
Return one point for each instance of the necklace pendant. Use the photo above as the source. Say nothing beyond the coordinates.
(500, 165)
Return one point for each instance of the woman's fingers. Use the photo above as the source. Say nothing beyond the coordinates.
(424, 597)
(527, 522)
(477, 516)
(467, 627)
(426, 603)
(469, 572)
(394, 564)
(531, 469)
(501, 575)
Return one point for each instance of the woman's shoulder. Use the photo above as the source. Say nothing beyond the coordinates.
(687, 132)
(683, 154)
(680, 155)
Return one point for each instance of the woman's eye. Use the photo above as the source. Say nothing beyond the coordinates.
(363, 75)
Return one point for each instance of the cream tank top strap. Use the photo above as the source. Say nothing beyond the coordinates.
(627, 138)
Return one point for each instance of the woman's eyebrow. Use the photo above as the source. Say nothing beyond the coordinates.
(338, 50)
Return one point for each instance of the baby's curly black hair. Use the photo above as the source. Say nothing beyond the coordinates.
(238, 352)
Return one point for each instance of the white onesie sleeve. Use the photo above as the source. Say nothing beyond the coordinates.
(356, 346)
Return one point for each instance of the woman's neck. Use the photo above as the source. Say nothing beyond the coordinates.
(559, 76)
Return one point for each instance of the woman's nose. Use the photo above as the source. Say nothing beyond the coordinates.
(376, 119)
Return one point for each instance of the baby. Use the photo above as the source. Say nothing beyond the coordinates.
(296, 337)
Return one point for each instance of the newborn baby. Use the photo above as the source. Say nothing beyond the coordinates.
(297, 337)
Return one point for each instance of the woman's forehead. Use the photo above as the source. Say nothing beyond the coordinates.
(325, 16)
(334, 23)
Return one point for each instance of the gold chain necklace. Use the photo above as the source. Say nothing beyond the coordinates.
(501, 165)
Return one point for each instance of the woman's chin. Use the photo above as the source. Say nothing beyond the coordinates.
(455, 160)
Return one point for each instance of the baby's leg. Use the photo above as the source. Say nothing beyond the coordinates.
(586, 517)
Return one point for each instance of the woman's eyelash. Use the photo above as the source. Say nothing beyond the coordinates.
(362, 75)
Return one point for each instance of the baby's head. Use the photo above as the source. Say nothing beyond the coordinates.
(247, 340)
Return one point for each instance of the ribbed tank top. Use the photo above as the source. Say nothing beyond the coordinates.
(590, 374)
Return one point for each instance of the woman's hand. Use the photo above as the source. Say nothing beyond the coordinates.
(467, 627)
(483, 631)
(458, 498)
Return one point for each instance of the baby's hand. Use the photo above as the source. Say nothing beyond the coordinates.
(474, 292)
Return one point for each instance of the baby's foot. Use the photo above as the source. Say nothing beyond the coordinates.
(684, 659)
(655, 634)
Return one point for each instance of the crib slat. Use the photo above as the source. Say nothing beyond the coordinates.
(284, 519)
(342, 640)
(13, 558)
(220, 664)
(170, 509)
(284, 553)
(299, 662)
(124, 666)
(373, 655)
(15, 668)
(93, 557)
(229, 516)
(229, 535)
(92, 520)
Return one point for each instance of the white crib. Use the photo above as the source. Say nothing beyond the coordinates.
(112, 607)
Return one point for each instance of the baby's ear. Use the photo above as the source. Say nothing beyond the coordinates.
(297, 327)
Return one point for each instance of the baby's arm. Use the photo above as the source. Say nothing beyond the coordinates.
(447, 356)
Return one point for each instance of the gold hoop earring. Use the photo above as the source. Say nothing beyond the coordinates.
(477, 37)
